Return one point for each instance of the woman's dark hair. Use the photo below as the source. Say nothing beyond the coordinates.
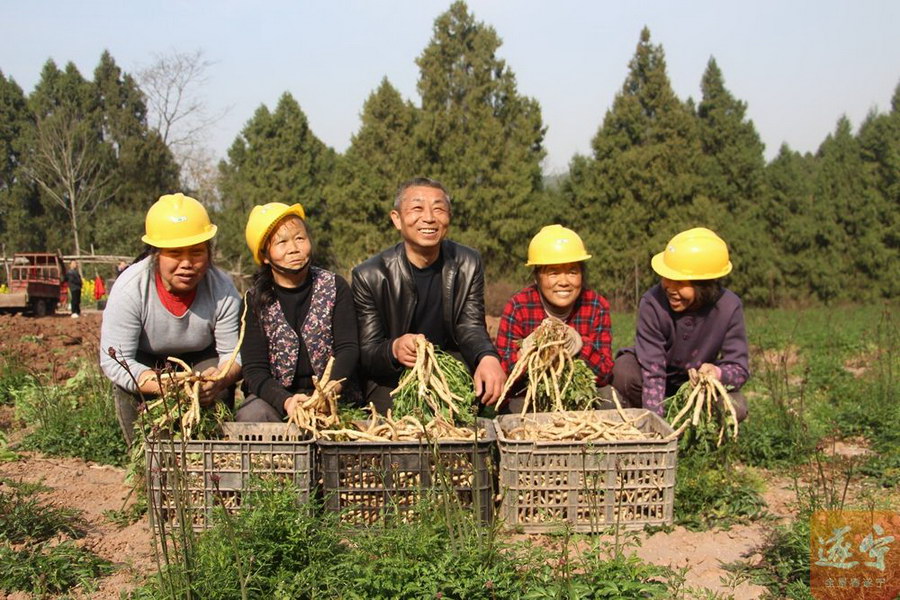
(706, 292)
(262, 288)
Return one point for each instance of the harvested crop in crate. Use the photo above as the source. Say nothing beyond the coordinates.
(582, 426)
(405, 429)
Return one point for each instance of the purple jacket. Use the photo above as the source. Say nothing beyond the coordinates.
(668, 343)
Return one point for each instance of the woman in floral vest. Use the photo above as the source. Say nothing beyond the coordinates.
(298, 317)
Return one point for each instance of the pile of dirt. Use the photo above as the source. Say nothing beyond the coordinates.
(48, 345)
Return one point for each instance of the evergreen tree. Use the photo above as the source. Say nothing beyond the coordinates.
(734, 183)
(879, 141)
(91, 149)
(849, 215)
(19, 205)
(791, 223)
(276, 158)
(642, 184)
(145, 168)
(480, 137)
(380, 156)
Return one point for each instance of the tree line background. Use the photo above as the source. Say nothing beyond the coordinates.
(81, 160)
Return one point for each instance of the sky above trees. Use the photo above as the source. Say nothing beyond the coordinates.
(799, 66)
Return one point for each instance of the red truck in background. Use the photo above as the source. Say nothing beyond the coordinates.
(35, 284)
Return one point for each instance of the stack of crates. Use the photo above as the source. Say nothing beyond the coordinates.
(587, 486)
(370, 481)
(186, 480)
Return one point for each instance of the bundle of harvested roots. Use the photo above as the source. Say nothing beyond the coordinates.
(704, 404)
(179, 398)
(556, 381)
(582, 426)
(177, 409)
(320, 410)
(406, 429)
(437, 385)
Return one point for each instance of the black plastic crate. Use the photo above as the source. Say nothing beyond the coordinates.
(368, 481)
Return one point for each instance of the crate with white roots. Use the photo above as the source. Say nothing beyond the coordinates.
(588, 471)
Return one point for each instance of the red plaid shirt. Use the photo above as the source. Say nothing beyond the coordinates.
(590, 317)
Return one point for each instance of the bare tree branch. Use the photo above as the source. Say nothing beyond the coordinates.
(172, 86)
(65, 163)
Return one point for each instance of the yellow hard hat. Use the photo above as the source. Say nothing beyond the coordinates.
(177, 221)
(263, 220)
(555, 245)
(695, 254)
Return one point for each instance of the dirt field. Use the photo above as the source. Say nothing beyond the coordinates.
(47, 344)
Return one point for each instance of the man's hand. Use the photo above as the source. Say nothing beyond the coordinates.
(710, 370)
(404, 348)
(489, 379)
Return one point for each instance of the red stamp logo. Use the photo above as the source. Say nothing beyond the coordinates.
(854, 554)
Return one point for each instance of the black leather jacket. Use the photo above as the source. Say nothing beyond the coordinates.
(385, 297)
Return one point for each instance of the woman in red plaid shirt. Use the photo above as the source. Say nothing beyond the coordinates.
(557, 255)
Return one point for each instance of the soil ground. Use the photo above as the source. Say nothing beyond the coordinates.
(47, 344)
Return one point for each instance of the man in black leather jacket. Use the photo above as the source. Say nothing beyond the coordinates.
(425, 285)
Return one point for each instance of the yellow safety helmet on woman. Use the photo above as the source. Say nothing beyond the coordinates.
(263, 220)
(555, 245)
(693, 255)
(177, 221)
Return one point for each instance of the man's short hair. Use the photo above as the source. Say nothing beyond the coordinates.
(420, 182)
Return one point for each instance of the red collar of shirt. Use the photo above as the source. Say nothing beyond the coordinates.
(177, 304)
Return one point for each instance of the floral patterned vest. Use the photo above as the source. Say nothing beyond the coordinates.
(284, 343)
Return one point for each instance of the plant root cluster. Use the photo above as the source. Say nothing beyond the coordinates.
(320, 410)
(551, 373)
(405, 429)
(437, 385)
(581, 426)
(704, 404)
(179, 397)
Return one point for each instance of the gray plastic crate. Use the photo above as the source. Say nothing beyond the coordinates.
(589, 486)
(367, 481)
(207, 473)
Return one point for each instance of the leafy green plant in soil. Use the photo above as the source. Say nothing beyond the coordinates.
(12, 377)
(275, 549)
(31, 557)
(23, 517)
(77, 418)
(44, 569)
(784, 568)
(709, 492)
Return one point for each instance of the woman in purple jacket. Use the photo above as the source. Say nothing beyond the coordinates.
(687, 321)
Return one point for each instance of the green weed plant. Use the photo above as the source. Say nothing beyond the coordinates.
(23, 517)
(76, 418)
(32, 557)
(711, 492)
(275, 549)
(12, 376)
